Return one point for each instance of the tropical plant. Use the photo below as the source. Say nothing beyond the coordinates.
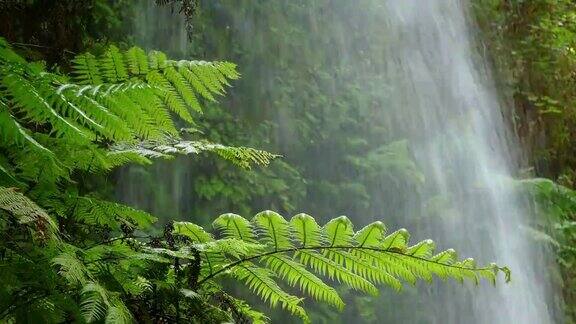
(299, 253)
(125, 98)
(69, 254)
(58, 132)
(186, 261)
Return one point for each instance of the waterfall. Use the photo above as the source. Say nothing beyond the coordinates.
(445, 103)
(434, 89)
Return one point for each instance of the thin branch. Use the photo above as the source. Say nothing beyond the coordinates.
(42, 46)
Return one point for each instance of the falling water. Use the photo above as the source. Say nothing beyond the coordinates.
(440, 96)
(445, 103)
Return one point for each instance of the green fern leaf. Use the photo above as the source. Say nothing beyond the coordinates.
(86, 69)
(194, 232)
(335, 271)
(28, 100)
(183, 88)
(100, 212)
(12, 131)
(339, 231)
(371, 235)
(299, 252)
(72, 269)
(296, 275)
(276, 229)
(306, 230)
(118, 313)
(137, 61)
(26, 211)
(113, 66)
(95, 301)
(259, 280)
(170, 95)
(235, 226)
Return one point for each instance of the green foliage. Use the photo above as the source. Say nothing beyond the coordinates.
(26, 212)
(258, 253)
(243, 157)
(534, 48)
(114, 101)
(71, 255)
(555, 228)
(56, 134)
(55, 31)
(181, 82)
(269, 250)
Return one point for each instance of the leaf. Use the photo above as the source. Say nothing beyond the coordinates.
(300, 253)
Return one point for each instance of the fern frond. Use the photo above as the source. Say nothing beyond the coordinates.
(137, 61)
(12, 131)
(26, 211)
(185, 90)
(118, 313)
(243, 157)
(117, 159)
(130, 112)
(195, 82)
(152, 105)
(180, 83)
(306, 230)
(27, 99)
(300, 252)
(86, 69)
(260, 281)
(116, 110)
(95, 302)
(236, 226)
(335, 271)
(339, 231)
(275, 229)
(170, 95)
(113, 65)
(72, 269)
(93, 211)
(235, 248)
(371, 235)
(363, 268)
(103, 89)
(194, 232)
(109, 125)
(295, 274)
(214, 75)
(255, 316)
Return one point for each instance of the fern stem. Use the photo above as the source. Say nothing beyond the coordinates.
(389, 251)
